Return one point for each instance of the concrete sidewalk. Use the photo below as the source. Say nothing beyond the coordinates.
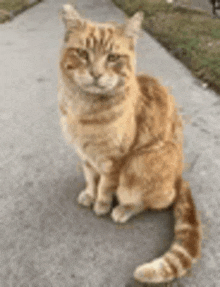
(46, 238)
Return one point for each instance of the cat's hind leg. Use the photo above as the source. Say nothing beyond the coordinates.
(122, 213)
(130, 204)
(146, 182)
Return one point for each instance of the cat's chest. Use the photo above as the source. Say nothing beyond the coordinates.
(97, 142)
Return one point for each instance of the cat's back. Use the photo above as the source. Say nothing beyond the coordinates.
(153, 92)
(157, 110)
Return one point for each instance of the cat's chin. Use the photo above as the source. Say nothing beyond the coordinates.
(95, 90)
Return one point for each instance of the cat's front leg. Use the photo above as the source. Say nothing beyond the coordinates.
(88, 195)
(107, 186)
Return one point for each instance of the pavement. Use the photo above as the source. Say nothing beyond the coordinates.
(46, 239)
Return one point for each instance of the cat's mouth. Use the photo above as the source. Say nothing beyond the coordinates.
(98, 86)
(95, 88)
(95, 83)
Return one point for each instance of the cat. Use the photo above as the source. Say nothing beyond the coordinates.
(128, 133)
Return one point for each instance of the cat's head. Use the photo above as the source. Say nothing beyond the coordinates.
(98, 57)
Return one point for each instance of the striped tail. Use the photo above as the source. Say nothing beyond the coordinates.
(186, 247)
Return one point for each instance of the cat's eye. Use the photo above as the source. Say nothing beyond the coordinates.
(113, 57)
(83, 54)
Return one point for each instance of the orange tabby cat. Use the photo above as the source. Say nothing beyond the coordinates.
(128, 134)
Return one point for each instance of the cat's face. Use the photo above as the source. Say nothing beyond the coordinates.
(97, 60)
(96, 57)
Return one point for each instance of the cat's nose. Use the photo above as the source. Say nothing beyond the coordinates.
(95, 75)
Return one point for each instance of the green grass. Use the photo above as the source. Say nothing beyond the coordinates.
(13, 4)
(12, 7)
(190, 35)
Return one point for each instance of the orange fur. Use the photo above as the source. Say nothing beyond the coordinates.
(128, 133)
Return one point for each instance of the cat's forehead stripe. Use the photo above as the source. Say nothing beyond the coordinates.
(91, 31)
(91, 42)
(99, 38)
(87, 43)
(102, 34)
(110, 30)
(107, 39)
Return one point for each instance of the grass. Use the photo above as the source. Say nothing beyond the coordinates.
(190, 35)
(10, 8)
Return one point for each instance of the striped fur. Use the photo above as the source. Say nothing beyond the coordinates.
(128, 133)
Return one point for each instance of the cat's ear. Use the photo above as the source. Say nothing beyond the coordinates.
(71, 17)
(133, 25)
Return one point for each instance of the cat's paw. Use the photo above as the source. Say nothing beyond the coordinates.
(102, 208)
(121, 214)
(85, 198)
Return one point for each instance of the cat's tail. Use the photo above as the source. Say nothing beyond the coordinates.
(186, 247)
